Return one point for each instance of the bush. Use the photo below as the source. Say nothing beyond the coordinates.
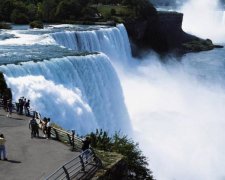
(136, 161)
(36, 24)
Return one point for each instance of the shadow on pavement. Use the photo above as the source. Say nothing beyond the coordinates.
(13, 161)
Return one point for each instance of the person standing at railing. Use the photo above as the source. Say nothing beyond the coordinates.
(44, 126)
(27, 107)
(85, 147)
(48, 129)
(21, 105)
(10, 107)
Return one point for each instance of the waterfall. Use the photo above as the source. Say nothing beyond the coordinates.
(79, 92)
(112, 41)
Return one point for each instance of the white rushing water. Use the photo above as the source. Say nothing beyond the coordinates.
(112, 41)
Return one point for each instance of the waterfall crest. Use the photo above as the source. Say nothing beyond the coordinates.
(112, 41)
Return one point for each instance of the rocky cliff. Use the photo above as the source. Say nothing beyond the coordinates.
(163, 33)
(4, 90)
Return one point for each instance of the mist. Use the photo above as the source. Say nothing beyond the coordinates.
(177, 113)
(177, 107)
(204, 18)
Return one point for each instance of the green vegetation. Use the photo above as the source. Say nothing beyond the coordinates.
(198, 45)
(136, 161)
(60, 11)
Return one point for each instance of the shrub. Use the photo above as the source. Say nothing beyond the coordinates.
(36, 24)
(136, 161)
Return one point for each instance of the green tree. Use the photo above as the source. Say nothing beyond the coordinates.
(143, 8)
(63, 10)
(136, 161)
(47, 10)
(88, 13)
(18, 17)
(6, 8)
(32, 12)
(68, 10)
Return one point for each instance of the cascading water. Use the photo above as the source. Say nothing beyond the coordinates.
(81, 92)
(112, 41)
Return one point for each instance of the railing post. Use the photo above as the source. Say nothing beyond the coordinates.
(69, 139)
(66, 172)
(82, 163)
(56, 134)
(73, 134)
(96, 159)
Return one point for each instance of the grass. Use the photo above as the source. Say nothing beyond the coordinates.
(109, 159)
(198, 45)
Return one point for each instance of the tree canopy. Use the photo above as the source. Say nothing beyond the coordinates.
(25, 11)
(136, 161)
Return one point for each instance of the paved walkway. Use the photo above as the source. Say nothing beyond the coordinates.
(29, 159)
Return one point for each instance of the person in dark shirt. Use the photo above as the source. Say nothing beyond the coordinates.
(27, 108)
(85, 148)
(33, 126)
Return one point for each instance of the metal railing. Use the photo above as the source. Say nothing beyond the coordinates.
(66, 137)
(61, 135)
(82, 166)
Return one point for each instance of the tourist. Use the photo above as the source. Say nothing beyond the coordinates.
(44, 126)
(10, 107)
(27, 108)
(33, 126)
(2, 147)
(48, 128)
(85, 147)
(21, 105)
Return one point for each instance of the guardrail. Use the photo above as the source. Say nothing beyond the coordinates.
(82, 166)
(66, 137)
